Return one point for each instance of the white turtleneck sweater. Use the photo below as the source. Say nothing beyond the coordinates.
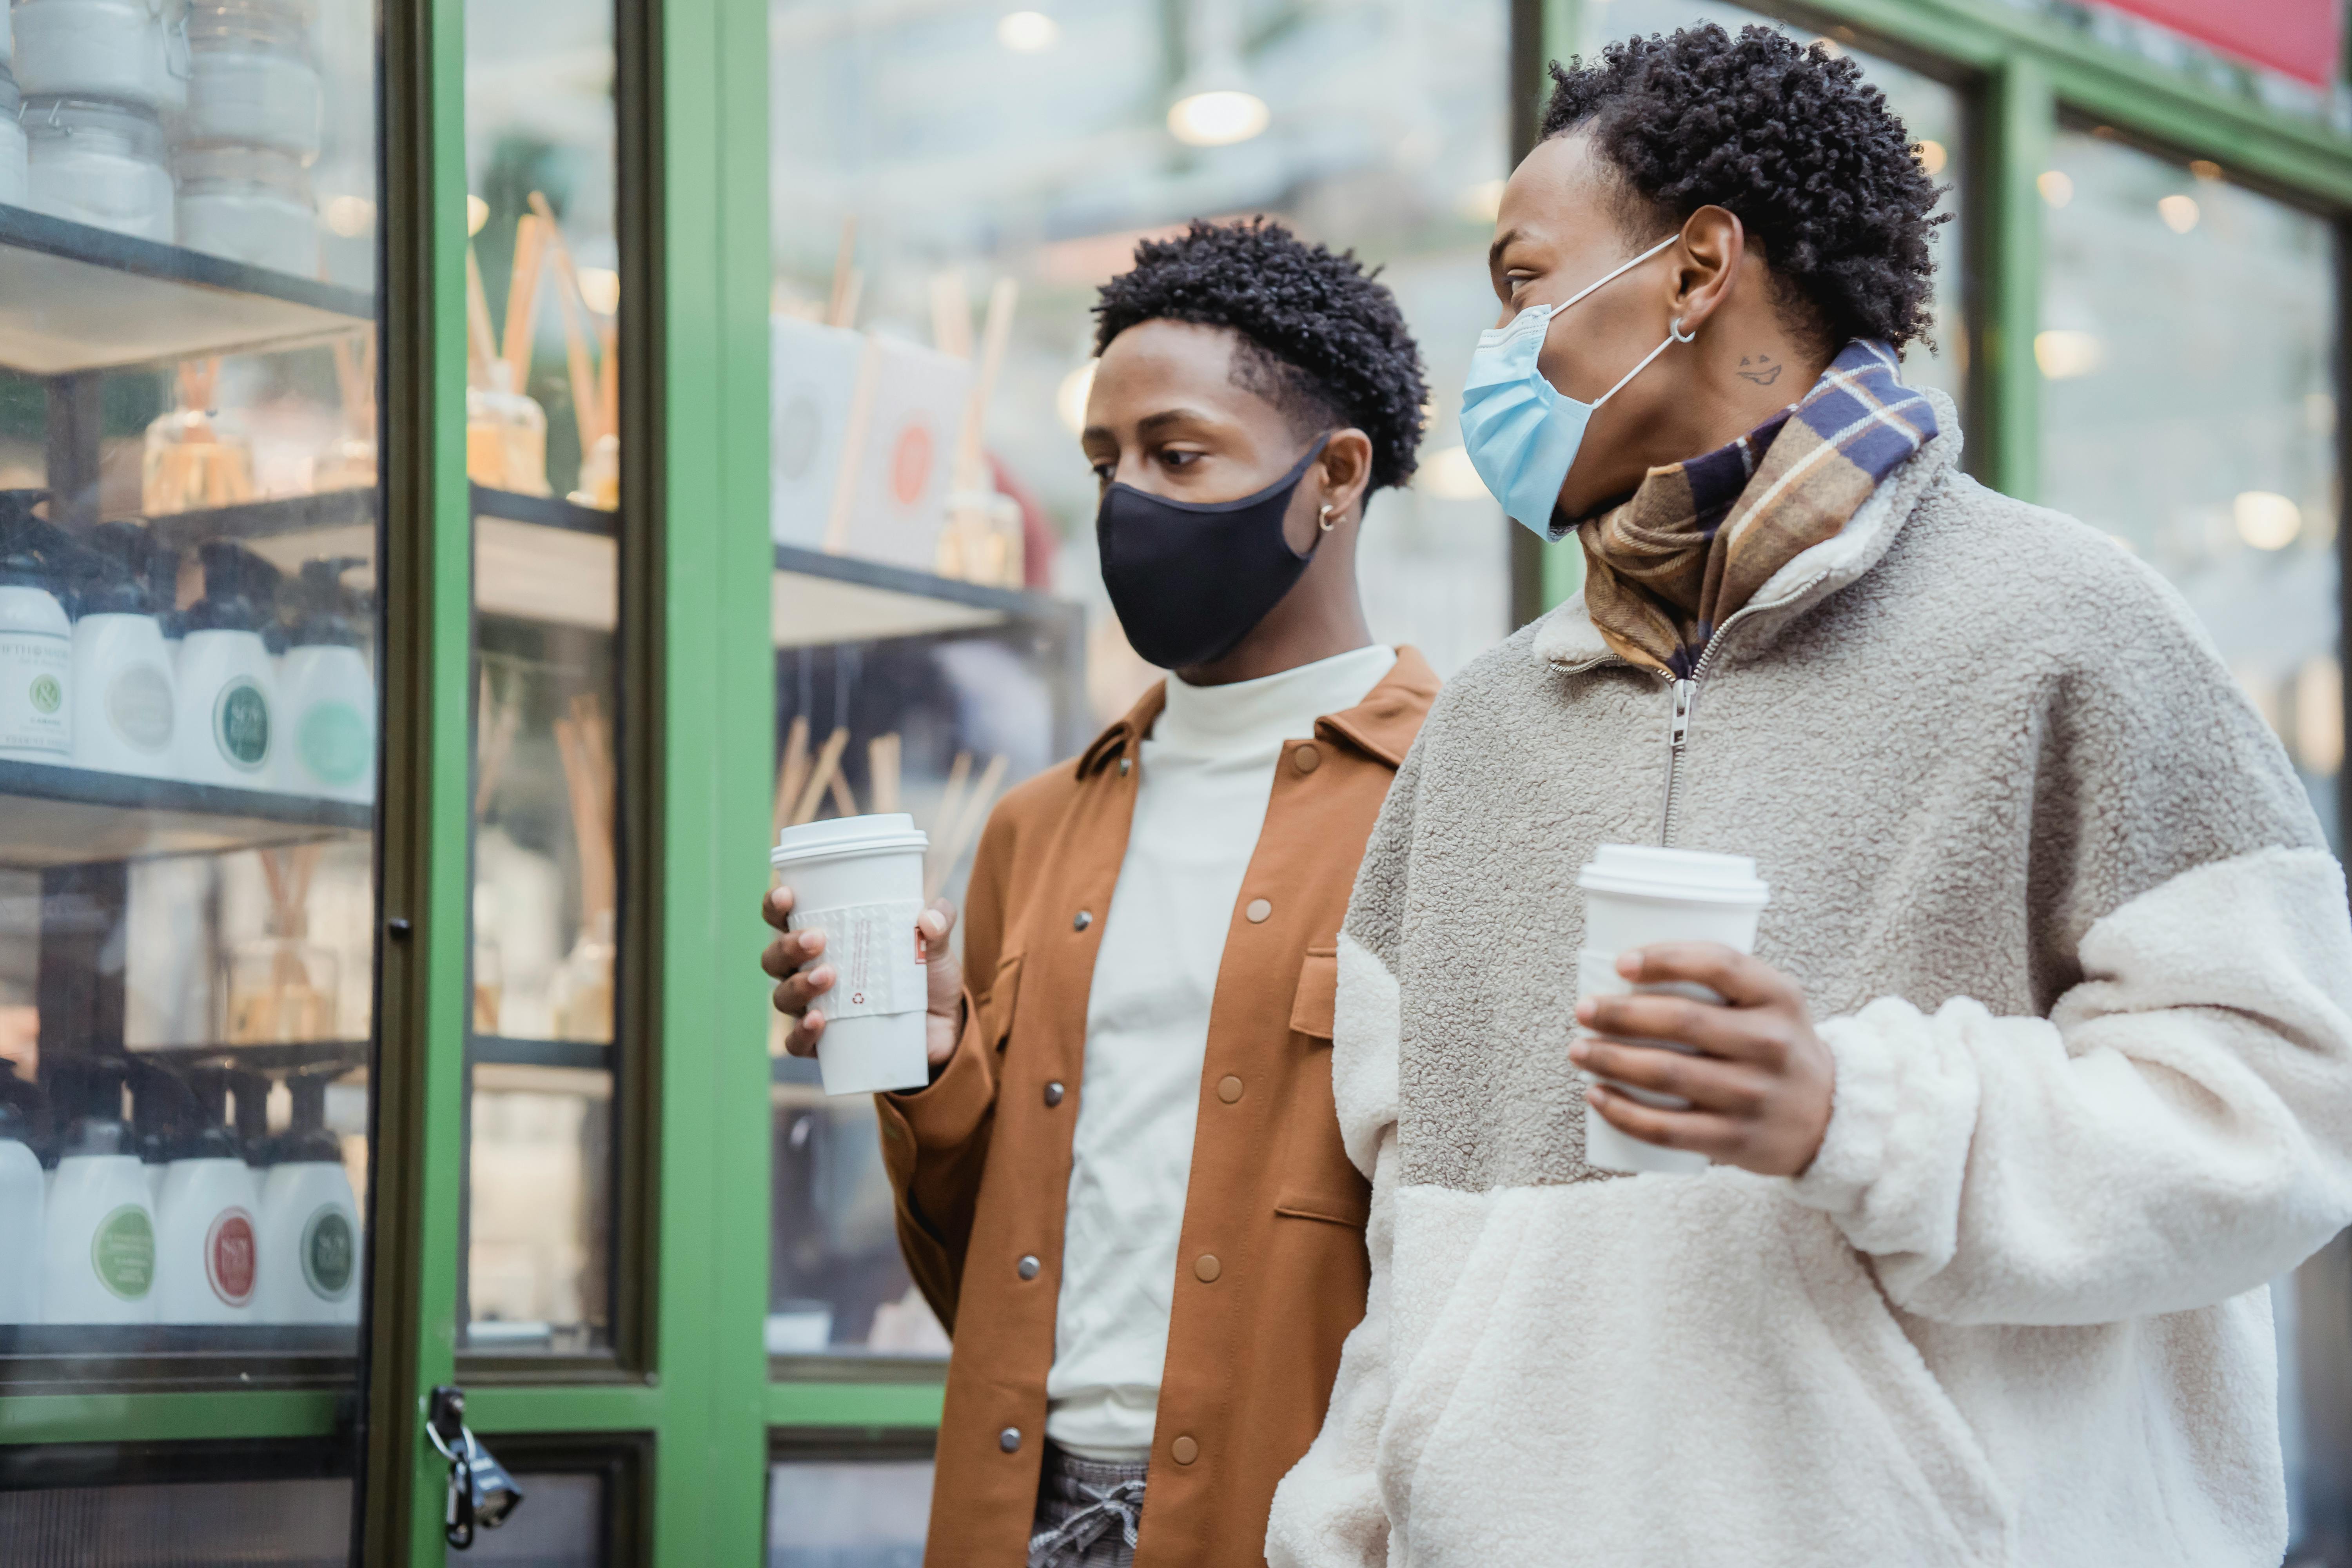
(1207, 773)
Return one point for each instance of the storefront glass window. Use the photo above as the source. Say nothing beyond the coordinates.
(849, 1513)
(1930, 110)
(2187, 344)
(950, 187)
(543, 456)
(2186, 338)
(189, 548)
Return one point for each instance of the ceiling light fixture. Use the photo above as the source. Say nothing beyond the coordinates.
(2265, 519)
(2062, 354)
(1028, 32)
(1214, 105)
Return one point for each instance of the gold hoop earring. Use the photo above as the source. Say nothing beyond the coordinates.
(1324, 518)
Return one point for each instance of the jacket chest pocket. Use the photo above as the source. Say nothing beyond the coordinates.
(1315, 1179)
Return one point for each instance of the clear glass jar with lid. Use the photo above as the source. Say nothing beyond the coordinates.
(130, 51)
(12, 137)
(249, 204)
(97, 163)
(251, 80)
(195, 459)
(505, 435)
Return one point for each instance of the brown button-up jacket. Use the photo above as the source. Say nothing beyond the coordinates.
(981, 1159)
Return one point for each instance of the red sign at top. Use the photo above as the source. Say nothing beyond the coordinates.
(2294, 38)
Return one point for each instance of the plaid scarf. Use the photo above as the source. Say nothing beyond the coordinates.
(1681, 554)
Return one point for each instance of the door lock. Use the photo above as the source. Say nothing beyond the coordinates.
(481, 1492)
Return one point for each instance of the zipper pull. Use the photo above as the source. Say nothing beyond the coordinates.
(1679, 730)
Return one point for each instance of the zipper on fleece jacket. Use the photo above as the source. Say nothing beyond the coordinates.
(1683, 694)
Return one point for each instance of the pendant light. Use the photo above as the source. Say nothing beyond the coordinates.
(1214, 105)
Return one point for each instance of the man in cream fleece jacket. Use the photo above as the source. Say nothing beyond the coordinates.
(2044, 1062)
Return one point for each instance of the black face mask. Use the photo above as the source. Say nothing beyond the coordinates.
(1188, 579)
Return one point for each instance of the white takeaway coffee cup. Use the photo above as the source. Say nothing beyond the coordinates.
(859, 879)
(1634, 896)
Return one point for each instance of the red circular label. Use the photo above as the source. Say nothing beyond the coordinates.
(911, 465)
(229, 1253)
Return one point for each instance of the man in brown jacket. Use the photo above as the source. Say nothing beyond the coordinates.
(1124, 1190)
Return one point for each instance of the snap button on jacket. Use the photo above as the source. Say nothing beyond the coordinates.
(1274, 1268)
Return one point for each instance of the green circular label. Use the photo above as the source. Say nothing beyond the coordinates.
(334, 740)
(241, 724)
(122, 1251)
(48, 693)
(329, 1253)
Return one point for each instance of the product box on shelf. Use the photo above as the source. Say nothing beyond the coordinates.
(903, 427)
(812, 386)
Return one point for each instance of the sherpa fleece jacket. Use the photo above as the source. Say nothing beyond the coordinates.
(2067, 925)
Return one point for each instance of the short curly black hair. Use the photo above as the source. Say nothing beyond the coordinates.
(1791, 140)
(1320, 338)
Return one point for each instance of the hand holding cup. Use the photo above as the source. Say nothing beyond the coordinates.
(791, 960)
(1760, 1085)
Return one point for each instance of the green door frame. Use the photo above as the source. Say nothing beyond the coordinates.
(428, 590)
(687, 1381)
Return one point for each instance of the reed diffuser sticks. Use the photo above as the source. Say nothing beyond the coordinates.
(585, 741)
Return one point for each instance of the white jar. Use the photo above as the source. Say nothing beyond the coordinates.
(97, 163)
(132, 51)
(249, 205)
(250, 80)
(12, 135)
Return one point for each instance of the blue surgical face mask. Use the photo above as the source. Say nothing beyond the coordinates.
(1521, 433)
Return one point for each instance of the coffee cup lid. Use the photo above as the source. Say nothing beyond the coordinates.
(1689, 876)
(843, 835)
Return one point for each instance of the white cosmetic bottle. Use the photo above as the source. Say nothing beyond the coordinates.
(208, 1243)
(225, 729)
(24, 1193)
(327, 695)
(35, 638)
(97, 1252)
(124, 696)
(309, 1223)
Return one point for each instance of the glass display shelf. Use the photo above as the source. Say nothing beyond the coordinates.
(541, 557)
(285, 531)
(818, 598)
(52, 816)
(502, 1051)
(156, 1358)
(273, 1056)
(74, 298)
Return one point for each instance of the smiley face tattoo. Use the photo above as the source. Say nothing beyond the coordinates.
(1762, 369)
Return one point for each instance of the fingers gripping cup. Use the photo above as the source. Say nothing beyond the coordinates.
(859, 879)
(1635, 896)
